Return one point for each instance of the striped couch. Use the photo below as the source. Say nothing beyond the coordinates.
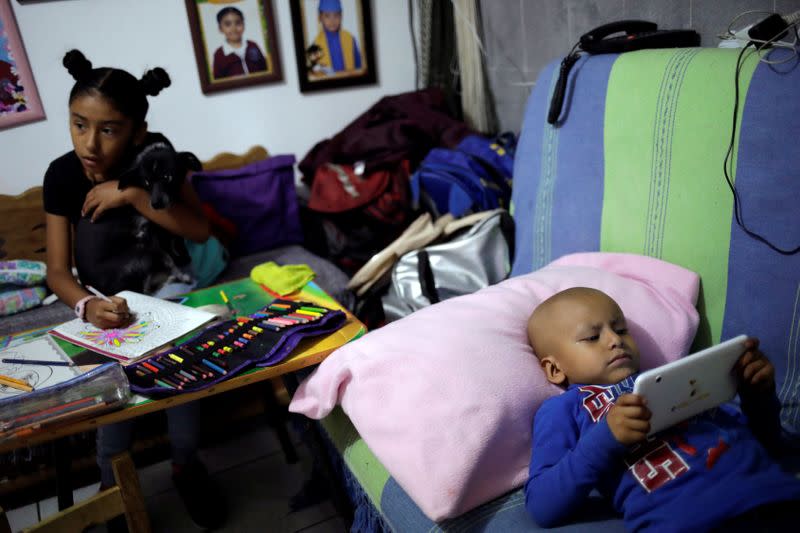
(636, 165)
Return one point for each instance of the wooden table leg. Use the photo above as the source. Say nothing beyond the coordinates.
(63, 461)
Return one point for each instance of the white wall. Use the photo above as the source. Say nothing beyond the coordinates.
(142, 34)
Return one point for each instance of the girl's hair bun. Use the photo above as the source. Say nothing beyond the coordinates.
(77, 65)
(154, 80)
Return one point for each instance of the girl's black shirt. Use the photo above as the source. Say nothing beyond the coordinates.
(66, 184)
(66, 187)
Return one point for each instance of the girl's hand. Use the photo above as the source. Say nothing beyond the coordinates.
(106, 315)
(102, 197)
(755, 371)
(629, 419)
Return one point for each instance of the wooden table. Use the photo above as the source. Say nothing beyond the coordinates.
(247, 297)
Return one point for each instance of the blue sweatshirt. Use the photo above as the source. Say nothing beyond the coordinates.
(689, 478)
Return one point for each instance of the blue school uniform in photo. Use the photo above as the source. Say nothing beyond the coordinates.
(691, 477)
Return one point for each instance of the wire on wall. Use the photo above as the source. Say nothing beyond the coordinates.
(754, 47)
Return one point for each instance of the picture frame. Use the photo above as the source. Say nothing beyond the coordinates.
(246, 55)
(354, 64)
(19, 98)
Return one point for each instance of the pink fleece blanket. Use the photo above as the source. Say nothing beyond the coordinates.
(445, 397)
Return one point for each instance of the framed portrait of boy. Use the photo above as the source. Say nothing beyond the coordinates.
(234, 43)
(19, 99)
(333, 43)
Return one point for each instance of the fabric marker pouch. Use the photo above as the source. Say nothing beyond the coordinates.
(89, 394)
(225, 349)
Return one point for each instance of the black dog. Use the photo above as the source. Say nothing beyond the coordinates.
(123, 250)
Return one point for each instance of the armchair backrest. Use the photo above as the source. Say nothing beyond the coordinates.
(636, 165)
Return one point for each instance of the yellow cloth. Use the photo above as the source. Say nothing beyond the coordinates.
(282, 279)
(348, 55)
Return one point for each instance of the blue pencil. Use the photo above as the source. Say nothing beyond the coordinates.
(37, 362)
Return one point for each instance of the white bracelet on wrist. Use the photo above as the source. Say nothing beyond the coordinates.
(80, 307)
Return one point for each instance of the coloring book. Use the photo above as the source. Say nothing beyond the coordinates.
(37, 376)
(155, 323)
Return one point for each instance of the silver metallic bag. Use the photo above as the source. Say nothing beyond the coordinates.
(470, 261)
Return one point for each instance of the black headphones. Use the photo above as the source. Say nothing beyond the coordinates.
(635, 35)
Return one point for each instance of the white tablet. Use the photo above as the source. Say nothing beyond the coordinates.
(683, 388)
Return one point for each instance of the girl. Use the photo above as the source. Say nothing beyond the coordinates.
(236, 56)
(107, 109)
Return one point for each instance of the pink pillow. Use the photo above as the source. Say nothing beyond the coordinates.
(445, 397)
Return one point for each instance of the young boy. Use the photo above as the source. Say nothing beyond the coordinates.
(236, 56)
(339, 49)
(708, 472)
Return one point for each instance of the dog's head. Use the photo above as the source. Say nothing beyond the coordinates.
(160, 170)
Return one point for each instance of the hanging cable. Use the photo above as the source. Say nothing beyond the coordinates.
(727, 164)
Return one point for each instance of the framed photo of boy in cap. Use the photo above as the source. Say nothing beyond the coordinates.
(333, 43)
(234, 43)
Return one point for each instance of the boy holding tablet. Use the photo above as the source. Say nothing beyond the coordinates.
(711, 471)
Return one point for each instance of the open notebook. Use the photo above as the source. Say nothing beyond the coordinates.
(155, 323)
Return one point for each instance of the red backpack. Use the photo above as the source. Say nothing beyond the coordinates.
(359, 214)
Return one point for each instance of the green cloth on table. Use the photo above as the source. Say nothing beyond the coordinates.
(282, 279)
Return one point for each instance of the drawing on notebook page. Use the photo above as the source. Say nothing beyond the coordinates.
(135, 332)
(37, 376)
(156, 323)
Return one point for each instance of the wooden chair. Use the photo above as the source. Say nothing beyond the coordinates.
(22, 226)
(228, 160)
(123, 498)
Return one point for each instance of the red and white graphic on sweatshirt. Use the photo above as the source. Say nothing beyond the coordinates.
(654, 464)
(598, 400)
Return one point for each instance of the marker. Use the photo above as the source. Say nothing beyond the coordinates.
(227, 302)
(150, 367)
(214, 367)
(38, 362)
(159, 366)
(15, 383)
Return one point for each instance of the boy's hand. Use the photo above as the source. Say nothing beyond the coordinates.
(106, 315)
(756, 373)
(629, 419)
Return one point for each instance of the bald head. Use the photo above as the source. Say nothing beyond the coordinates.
(545, 321)
(580, 335)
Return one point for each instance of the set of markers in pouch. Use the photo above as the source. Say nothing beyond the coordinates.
(226, 348)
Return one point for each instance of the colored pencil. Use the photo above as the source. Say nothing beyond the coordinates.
(37, 362)
(15, 383)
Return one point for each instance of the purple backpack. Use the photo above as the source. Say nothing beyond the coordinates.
(259, 198)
